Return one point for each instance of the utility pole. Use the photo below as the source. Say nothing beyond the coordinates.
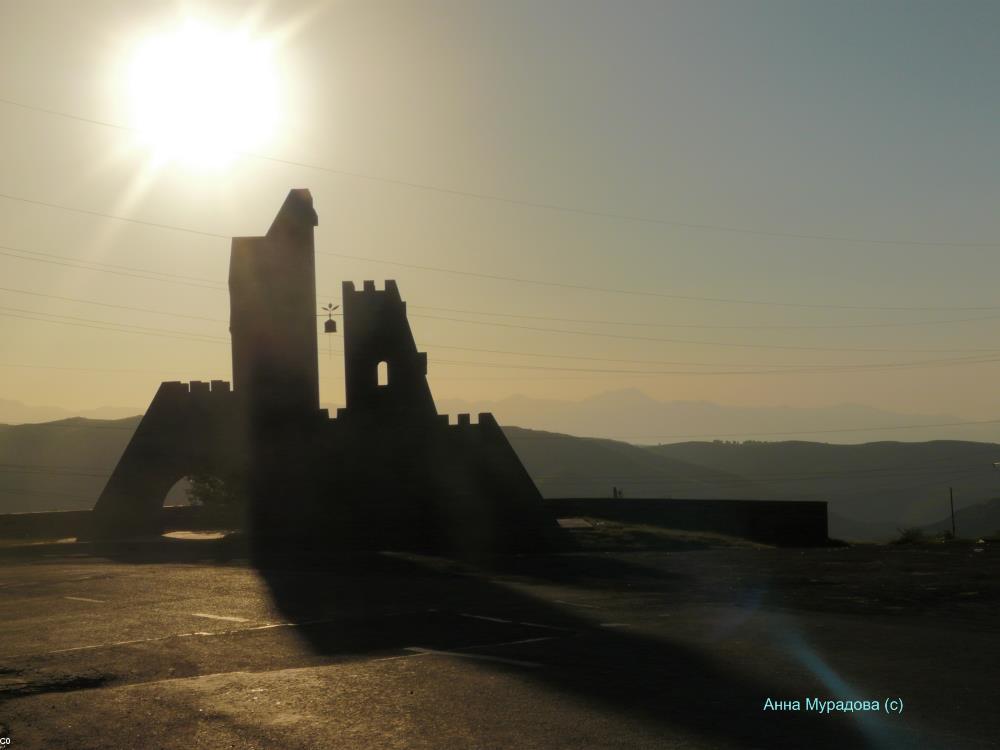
(951, 499)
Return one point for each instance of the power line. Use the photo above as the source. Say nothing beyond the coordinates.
(531, 328)
(754, 326)
(685, 363)
(185, 335)
(200, 279)
(661, 295)
(783, 369)
(776, 369)
(85, 369)
(830, 369)
(85, 265)
(540, 204)
(804, 370)
(147, 274)
(705, 343)
(490, 351)
(153, 275)
(488, 323)
(56, 472)
(104, 326)
(522, 280)
(26, 491)
(110, 305)
(103, 215)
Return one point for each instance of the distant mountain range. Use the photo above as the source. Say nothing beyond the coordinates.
(16, 412)
(567, 466)
(633, 416)
(873, 489)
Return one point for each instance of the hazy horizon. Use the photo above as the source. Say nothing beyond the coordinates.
(811, 189)
(632, 416)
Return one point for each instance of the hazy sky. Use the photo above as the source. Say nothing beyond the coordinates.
(788, 121)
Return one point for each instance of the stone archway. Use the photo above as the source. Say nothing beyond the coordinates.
(187, 430)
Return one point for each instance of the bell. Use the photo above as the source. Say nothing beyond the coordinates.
(330, 326)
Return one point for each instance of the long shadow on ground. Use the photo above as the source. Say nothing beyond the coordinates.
(367, 603)
(373, 602)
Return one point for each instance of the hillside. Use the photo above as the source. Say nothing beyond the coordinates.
(18, 413)
(631, 414)
(881, 485)
(982, 519)
(567, 466)
(60, 465)
(873, 489)
(64, 464)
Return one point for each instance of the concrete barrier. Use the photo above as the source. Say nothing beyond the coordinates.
(784, 523)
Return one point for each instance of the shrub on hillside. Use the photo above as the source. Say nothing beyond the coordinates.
(911, 535)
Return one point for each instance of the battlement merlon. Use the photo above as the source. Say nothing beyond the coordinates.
(176, 401)
(389, 293)
(172, 389)
(486, 421)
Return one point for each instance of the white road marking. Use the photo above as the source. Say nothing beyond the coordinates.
(85, 599)
(509, 643)
(615, 625)
(153, 639)
(576, 604)
(402, 656)
(512, 622)
(220, 617)
(546, 627)
(478, 657)
(484, 617)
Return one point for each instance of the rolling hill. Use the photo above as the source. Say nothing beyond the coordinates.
(874, 486)
(59, 465)
(567, 466)
(872, 489)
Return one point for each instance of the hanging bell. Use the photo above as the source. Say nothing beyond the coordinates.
(330, 326)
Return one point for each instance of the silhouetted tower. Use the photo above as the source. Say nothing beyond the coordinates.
(272, 319)
(383, 371)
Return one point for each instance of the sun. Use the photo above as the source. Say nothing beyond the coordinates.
(200, 95)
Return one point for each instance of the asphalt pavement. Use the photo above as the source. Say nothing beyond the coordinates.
(184, 644)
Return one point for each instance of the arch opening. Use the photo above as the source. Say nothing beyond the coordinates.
(382, 375)
(201, 507)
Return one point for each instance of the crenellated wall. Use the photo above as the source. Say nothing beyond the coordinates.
(388, 472)
(376, 330)
(189, 428)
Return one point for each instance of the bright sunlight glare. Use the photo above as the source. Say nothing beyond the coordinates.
(199, 94)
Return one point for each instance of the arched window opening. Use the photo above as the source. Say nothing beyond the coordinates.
(383, 373)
